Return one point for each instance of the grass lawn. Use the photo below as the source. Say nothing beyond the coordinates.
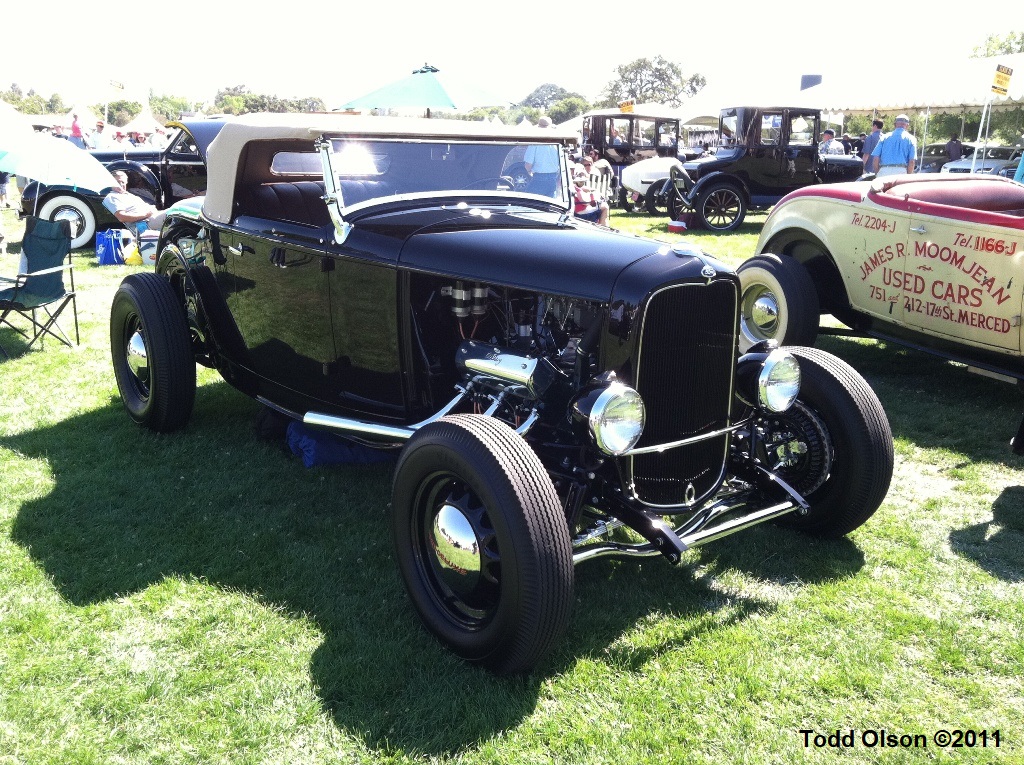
(204, 598)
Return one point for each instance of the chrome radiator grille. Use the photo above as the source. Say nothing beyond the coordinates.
(685, 375)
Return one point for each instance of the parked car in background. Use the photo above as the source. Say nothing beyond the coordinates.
(986, 159)
(765, 153)
(1010, 170)
(554, 391)
(160, 176)
(934, 156)
(624, 138)
(932, 262)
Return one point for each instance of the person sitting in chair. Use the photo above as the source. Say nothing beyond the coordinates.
(133, 211)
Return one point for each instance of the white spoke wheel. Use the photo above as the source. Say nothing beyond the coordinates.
(482, 543)
(778, 302)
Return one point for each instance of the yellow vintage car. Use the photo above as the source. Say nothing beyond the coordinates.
(935, 263)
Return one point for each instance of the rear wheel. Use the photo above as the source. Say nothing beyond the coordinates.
(721, 208)
(654, 199)
(151, 350)
(76, 212)
(778, 302)
(834, 446)
(482, 543)
(626, 199)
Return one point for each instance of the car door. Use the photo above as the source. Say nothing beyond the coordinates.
(972, 274)
(800, 152)
(763, 164)
(279, 297)
(870, 242)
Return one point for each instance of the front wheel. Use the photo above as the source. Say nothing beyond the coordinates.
(151, 351)
(481, 542)
(778, 301)
(75, 211)
(654, 199)
(834, 446)
(721, 208)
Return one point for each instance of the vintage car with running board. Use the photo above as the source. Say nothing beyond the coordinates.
(933, 262)
(765, 152)
(554, 391)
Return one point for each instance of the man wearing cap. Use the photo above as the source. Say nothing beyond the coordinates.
(895, 153)
(830, 145)
(158, 139)
(99, 139)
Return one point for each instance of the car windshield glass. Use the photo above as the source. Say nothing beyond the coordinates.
(369, 169)
(999, 152)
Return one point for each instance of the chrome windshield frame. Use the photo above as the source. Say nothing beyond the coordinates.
(339, 210)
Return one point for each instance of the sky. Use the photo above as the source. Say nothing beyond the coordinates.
(342, 50)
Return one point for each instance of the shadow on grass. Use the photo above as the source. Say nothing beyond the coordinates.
(935, 403)
(997, 546)
(129, 508)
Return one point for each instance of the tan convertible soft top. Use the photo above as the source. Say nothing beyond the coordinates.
(225, 152)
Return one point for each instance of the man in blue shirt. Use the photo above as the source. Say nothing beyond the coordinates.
(870, 142)
(896, 153)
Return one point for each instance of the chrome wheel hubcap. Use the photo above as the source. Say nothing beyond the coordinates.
(138, 361)
(456, 551)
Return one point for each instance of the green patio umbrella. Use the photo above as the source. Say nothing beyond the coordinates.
(426, 88)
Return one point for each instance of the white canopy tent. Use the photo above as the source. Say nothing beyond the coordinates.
(944, 87)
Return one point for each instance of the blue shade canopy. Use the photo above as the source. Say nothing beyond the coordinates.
(426, 88)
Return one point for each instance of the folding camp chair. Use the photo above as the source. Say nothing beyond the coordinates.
(39, 287)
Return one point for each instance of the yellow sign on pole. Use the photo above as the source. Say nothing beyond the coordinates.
(626, 106)
(1001, 85)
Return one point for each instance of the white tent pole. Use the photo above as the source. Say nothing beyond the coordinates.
(982, 130)
(924, 141)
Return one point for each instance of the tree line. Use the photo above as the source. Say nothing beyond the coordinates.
(643, 80)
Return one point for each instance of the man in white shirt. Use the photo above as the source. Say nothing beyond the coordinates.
(130, 209)
(830, 145)
(99, 139)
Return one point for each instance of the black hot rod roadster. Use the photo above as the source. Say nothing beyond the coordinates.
(557, 391)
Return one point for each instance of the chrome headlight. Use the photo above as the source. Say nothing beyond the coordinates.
(616, 419)
(778, 384)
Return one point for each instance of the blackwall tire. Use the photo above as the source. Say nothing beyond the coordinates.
(74, 210)
(625, 201)
(481, 542)
(778, 301)
(654, 201)
(675, 204)
(151, 351)
(721, 208)
(846, 471)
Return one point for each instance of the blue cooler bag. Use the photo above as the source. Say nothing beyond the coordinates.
(109, 248)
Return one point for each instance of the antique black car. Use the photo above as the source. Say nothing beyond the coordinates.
(764, 153)
(623, 138)
(555, 391)
(160, 176)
